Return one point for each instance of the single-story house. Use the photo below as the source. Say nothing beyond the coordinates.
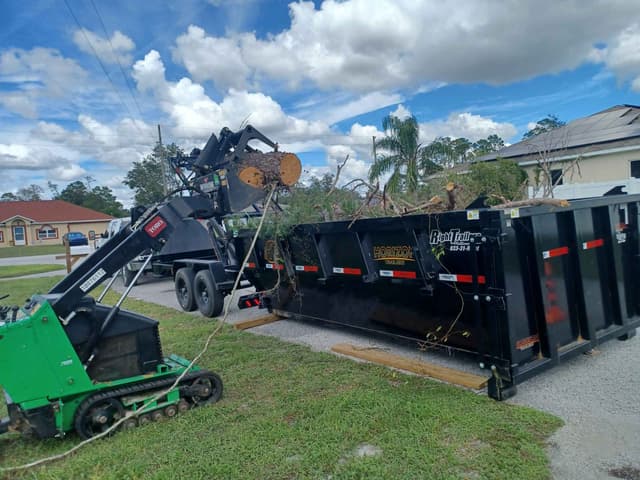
(44, 222)
(603, 147)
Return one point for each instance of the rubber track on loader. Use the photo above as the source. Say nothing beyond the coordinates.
(133, 389)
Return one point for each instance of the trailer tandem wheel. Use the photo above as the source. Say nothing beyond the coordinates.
(208, 298)
(184, 289)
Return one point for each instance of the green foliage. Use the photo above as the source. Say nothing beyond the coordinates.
(147, 178)
(29, 193)
(8, 197)
(492, 143)
(550, 122)
(97, 198)
(313, 203)
(401, 157)
(498, 180)
(501, 178)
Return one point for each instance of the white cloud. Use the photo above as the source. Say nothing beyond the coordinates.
(24, 158)
(401, 112)
(363, 104)
(195, 115)
(36, 74)
(117, 49)
(19, 103)
(362, 46)
(468, 125)
(211, 58)
(68, 173)
(622, 55)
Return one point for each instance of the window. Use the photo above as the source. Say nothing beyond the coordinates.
(556, 177)
(1, 236)
(47, 232)
(635, 168)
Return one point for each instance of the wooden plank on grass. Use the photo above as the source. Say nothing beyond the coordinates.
(446, 374)
(256, 322)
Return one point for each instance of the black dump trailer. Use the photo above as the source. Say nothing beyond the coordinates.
(519, 289)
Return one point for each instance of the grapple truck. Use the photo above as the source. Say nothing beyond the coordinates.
(69, 362)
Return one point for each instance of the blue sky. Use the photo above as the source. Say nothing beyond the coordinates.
(83, 83)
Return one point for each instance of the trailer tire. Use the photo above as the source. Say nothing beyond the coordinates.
(127, 276)
(184, 289)
(208, 298)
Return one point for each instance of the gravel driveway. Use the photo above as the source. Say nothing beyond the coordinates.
(597, 396)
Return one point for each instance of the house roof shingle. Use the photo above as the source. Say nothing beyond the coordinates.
(613, 124)
(49, 211)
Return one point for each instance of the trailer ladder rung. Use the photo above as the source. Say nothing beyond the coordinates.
(446, 374)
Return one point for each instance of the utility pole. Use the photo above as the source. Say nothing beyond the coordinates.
(374, 148)
(165, 189)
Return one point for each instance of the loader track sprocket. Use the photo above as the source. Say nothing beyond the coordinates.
(100, 411)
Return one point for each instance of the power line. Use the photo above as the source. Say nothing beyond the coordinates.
(115, 55)
(104, 69)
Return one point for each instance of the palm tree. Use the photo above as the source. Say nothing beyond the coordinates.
(402, 157)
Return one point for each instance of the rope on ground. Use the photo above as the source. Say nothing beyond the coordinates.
(221, 323)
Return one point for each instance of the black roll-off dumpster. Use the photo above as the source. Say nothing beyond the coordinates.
(521, 289)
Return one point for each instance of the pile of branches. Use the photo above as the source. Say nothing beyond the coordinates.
(359, 198)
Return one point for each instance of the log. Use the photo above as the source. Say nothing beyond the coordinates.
(534, 202)
(260, 169)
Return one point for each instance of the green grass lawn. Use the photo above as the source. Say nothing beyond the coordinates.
(289, 412)
(18, 270)
(28, 251)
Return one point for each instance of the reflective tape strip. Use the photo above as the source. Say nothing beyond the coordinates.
(555, 252)
(460, 278)
(306, 268)
(347, 271)
(598, 242)
(274, 266)
(249, 265)
(397, 274)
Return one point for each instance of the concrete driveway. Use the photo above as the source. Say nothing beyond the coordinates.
(596, 395)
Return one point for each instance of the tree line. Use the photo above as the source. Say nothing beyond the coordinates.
(146, 178)
(409, 165)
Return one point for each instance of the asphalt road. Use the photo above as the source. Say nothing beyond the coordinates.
(596, 395)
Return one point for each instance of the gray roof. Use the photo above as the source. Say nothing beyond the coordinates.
(613, 124)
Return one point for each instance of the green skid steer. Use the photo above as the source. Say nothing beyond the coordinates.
(69, 362)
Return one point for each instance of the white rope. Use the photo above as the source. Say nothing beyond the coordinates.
(62, 455)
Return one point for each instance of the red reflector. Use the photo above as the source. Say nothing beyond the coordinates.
(274, 266)
(449, 277)
(249, 265)
(306, 268)
(469, 279)
(593, 244)
(347, 271)
(397, 274)
(555, 252)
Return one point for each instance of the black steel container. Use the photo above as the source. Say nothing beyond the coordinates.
(520, 289)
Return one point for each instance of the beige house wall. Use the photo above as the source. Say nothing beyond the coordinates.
(593, 168)
(6, 231)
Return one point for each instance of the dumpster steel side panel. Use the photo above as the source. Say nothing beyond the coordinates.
(519, 289)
